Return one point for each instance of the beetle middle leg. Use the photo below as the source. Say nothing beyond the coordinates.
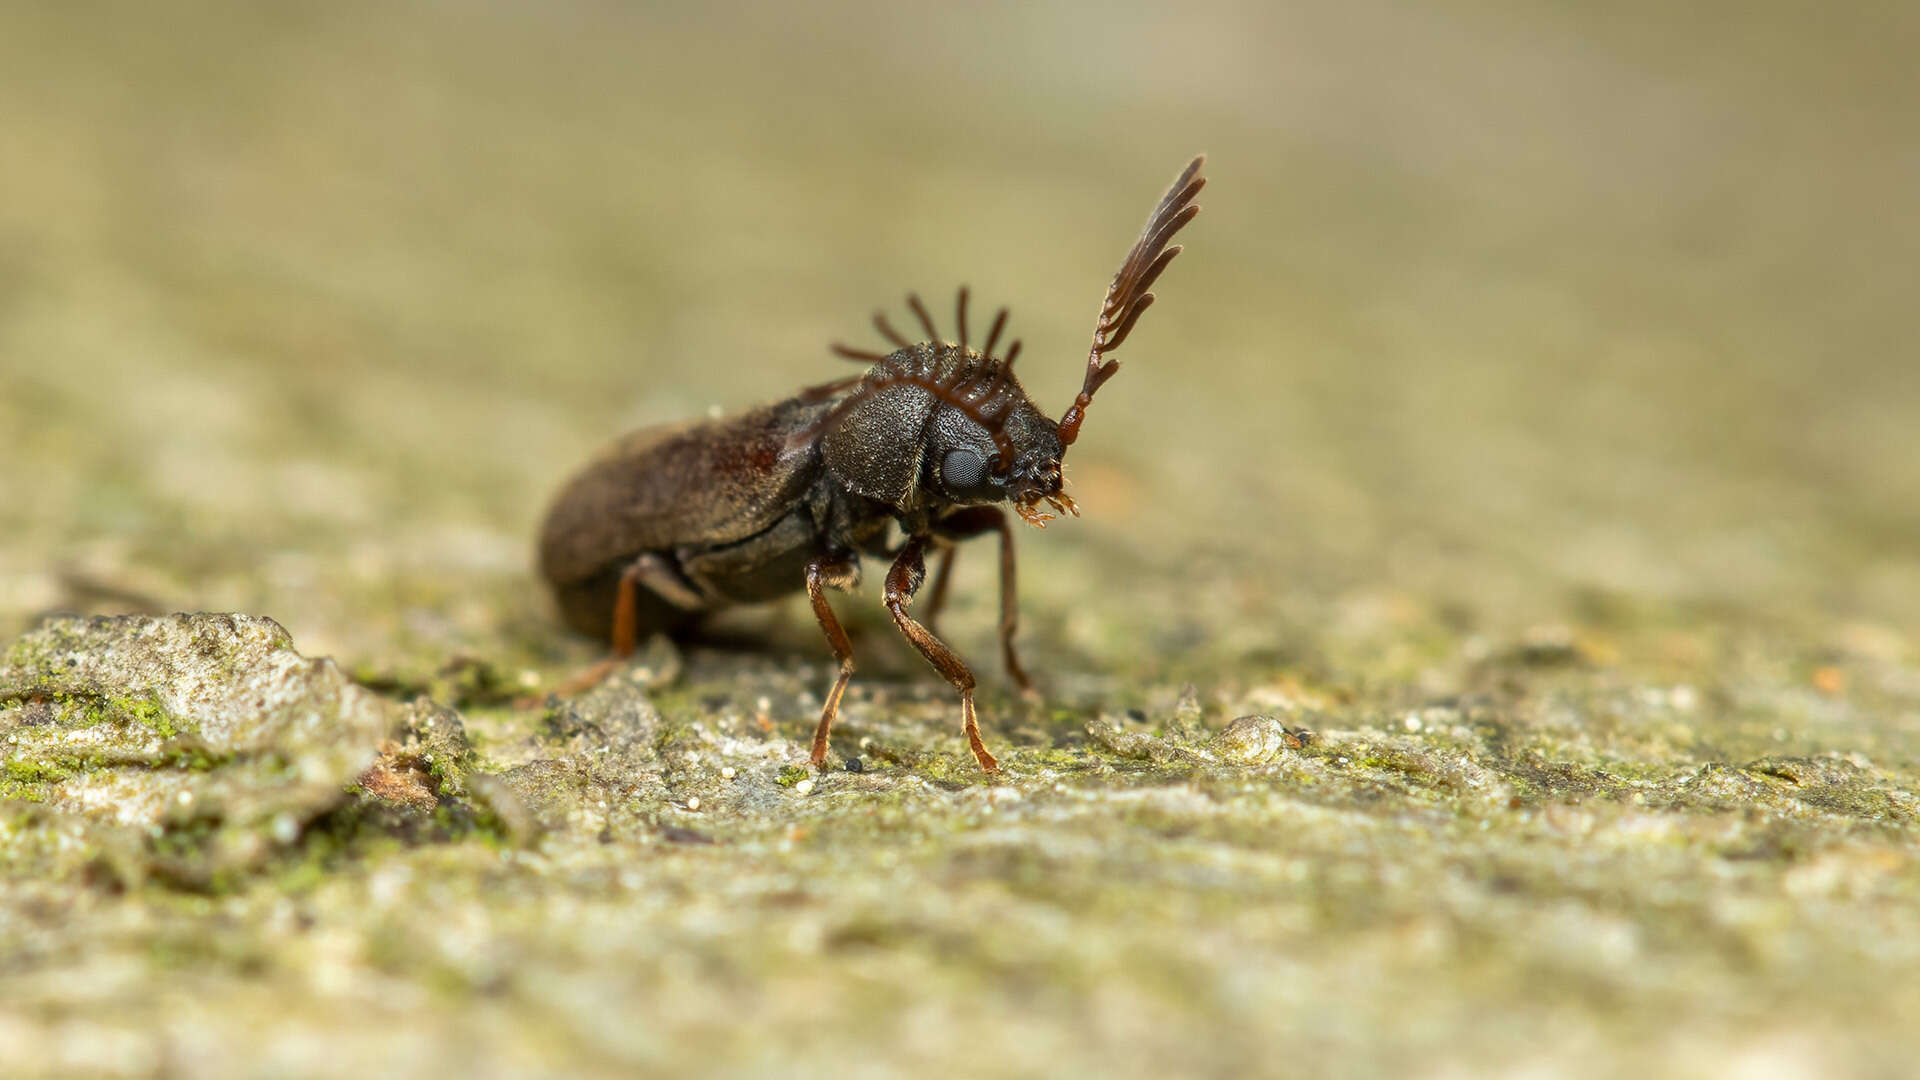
(972, 521)
(903, 580)
(840, 572)
(941, 579)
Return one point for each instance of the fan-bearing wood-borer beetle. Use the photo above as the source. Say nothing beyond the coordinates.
(675, 521)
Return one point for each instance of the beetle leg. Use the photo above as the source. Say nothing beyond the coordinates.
(903, 580)
(660, 576)
(626, 614)
(656, 573)
(1009, 605)
(837, 571)
(941, 579)
(973, 521)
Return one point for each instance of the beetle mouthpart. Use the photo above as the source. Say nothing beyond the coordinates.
(1063, 502)
(1028, 507)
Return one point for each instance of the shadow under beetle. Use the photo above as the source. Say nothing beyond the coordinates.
(675, 521)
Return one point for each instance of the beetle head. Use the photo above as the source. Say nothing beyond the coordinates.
(979, 438)
(986, 441)
(1013, 457)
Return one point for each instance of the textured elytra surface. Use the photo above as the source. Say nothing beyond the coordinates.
(1528, 421)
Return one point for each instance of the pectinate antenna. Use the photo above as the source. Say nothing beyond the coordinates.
(1128, 296)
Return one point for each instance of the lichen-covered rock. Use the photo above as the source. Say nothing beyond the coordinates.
(426, 759)
(593, 752)
(209, 734)
(1110, 734)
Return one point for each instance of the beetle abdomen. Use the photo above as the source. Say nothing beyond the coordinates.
(678, 487)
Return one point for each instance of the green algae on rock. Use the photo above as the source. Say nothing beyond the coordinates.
(209, 735)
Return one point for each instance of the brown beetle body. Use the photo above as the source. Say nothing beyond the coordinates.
(676, 521)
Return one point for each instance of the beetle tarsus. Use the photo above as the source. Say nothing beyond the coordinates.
(584, 681)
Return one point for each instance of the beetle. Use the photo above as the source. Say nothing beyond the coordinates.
(675, 521)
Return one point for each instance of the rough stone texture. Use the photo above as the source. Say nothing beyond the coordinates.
(1531, 420)
(208, 734)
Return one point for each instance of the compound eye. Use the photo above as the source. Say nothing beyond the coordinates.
(962, 470)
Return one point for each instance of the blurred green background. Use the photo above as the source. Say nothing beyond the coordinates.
(1506, 305)
(1560, 353)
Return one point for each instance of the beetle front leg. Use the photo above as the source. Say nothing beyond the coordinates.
(903, 580)
(837, 571)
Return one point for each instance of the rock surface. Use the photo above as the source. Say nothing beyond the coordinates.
(1530, 420)
(208, 736)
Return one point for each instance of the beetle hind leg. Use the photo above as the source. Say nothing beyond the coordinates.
(649, 596)
(903, 580)
(838, 572)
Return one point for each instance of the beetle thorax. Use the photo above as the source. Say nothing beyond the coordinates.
(935, 425)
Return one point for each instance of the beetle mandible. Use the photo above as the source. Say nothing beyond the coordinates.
(675, 521)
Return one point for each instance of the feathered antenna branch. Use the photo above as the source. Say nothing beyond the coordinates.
(1127, 297)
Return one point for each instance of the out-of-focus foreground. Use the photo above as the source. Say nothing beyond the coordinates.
(1533, 417)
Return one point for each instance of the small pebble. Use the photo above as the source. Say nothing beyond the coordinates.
(803, 787)
(726, 772)
(693, 802)
(854, 765)
(1252, 740)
